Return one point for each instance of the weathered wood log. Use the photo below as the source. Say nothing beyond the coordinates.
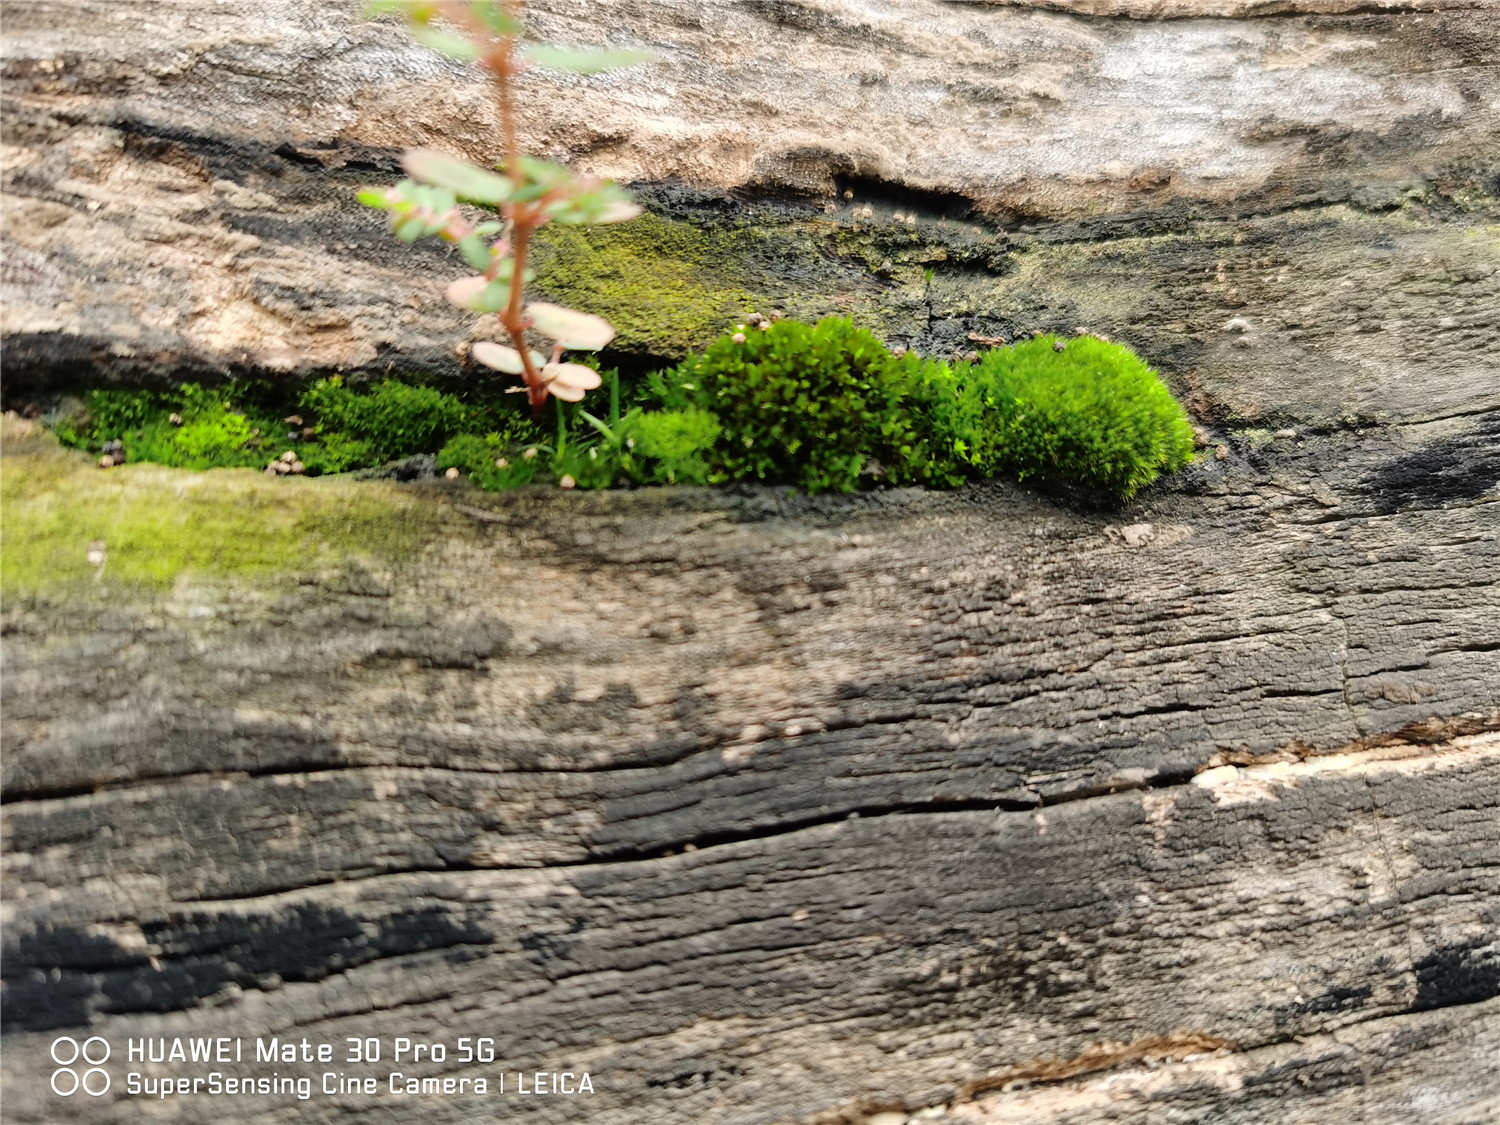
(765, 808)
(758, 807)
(1244, 200)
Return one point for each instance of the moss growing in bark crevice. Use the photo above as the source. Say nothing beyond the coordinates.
(68, 524)
(825, 407)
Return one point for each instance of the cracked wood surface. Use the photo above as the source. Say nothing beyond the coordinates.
(1115, 106)
(179, 189)
(762, 808)
(767, 809)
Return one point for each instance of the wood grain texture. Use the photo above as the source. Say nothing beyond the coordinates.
(762, 808)
(966, 807)
(179, 189)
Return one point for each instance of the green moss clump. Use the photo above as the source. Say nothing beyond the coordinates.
(489, 460)
(811, 404)
(824, 406)
(209, 441)
(667, 446)
(210, 430)
(388, 421)
(1076, 414)
(470, 452)
(234, 426)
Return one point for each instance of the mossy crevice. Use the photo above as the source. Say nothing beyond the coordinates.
(824, 407)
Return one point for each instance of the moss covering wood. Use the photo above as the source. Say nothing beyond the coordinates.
(667, 287)
(147, 526)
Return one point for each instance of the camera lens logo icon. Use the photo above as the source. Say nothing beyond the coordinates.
(66, 1080)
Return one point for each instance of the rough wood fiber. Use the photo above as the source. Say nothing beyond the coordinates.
(765, 809)
(179, 185)
(773, 809)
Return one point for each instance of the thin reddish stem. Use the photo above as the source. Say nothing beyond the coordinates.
(523, 219)
(501, 62)
(515, 319)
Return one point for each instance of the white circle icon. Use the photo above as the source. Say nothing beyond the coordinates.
(66, 1051)
(64, 1083)
(95, 1081)
(67, 1043)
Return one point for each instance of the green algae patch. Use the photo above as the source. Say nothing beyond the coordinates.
(668, 287)
(68, 523)
(671, 287)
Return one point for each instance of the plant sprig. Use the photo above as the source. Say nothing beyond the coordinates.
(525, 191)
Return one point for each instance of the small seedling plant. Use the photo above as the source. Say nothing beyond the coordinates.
(524, 192)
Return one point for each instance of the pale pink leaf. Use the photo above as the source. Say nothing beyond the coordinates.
(572, 375)
(501, 358)
(572, 329)
(478, 293)
(458, 176)
(618, 211)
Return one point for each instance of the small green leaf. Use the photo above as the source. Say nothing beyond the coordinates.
(544, 171)
(602, 427)
(495, 16)
(484, 230)
(418, 10)
(541, 177)
(399, 197)
(378, 198)
(465, 180)
(410, 228)
(475, 251)
(584, 60)
(443, 41)
(506, 268)
(572, 329)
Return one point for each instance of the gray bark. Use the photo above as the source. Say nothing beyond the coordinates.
(766, 808)
(762, 808)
